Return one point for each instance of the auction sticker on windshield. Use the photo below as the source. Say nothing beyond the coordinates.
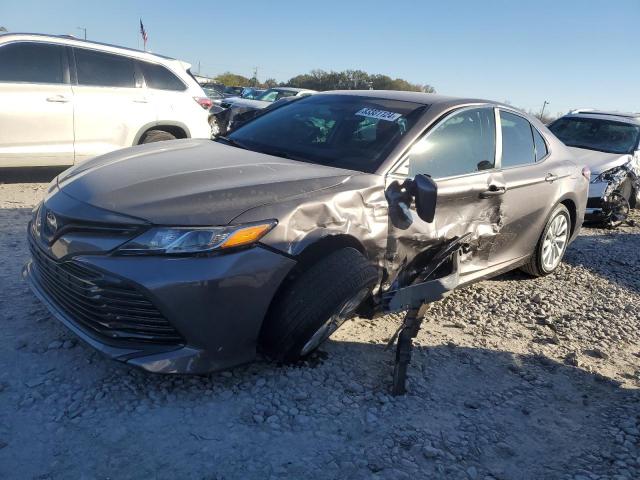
(379, 114)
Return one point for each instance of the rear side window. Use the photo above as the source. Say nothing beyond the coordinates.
(541, 146)
(517, 141)
(157, 76)
(31, 63)
(104, 69)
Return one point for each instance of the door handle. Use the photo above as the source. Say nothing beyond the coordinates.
(58, 99)
(493, 191)
(550, 178)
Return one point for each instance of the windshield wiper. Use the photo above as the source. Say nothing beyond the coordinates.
(275, 153)
(232, 142)
(282, 154)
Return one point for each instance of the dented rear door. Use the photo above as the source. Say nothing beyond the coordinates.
(532, 180)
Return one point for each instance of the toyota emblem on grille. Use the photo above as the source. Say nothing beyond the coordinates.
(52, 222)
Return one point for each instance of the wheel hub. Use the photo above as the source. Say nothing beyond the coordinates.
(555, 242)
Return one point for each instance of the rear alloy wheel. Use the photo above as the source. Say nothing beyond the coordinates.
(555, 242)
(552, 244)
(318, 302)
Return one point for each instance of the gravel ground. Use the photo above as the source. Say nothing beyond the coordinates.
(512, 378)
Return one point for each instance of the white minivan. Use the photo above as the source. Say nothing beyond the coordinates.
(64, 100)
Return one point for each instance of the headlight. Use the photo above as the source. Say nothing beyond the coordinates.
(178, 240)
(616, 174)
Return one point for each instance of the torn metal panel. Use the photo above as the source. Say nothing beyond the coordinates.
(425, 288)
(460, 211)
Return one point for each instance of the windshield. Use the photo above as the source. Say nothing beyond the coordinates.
(269, 95)
(351, 132)
(251, 93)
(212, 93)
(597, 134)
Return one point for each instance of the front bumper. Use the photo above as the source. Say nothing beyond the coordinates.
(216, 303)
(595, 201)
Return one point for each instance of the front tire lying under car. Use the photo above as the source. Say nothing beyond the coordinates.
(316, 304)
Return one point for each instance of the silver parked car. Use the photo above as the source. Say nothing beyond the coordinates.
(609, 144)
(192, 255)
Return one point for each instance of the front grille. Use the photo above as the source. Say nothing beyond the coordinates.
(104, 305)
(594, 202)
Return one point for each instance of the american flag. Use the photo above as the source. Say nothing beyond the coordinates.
(143, 32)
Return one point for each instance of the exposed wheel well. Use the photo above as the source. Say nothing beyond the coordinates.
(573, 214)
(324, 246)
(172, 129)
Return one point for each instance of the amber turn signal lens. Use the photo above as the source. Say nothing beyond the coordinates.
(247, 235)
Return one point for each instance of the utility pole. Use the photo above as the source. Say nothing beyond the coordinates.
(84, 30)
(542, 111)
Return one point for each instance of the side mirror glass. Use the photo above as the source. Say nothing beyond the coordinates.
(426, 195)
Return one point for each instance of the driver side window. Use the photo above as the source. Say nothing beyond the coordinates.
(463, 143)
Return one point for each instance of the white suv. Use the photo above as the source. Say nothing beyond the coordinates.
(64, 100)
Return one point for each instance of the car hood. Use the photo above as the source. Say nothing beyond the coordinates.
(597, 161)
(192, 182)
(248, 103)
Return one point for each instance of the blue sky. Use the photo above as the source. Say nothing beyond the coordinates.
(572, 53)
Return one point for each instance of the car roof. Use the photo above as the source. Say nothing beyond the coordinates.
(71, 40)
(623, 117)
(415, 97)
(291, 89)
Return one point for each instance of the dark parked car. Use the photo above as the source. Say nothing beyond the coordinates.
(189, 256)
(223, 116)
(215, 91)
(231, 91)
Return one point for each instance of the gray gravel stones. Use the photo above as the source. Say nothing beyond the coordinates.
(512, 378)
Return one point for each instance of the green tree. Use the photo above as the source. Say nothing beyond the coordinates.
(2, 30)
(353, 80)
(270, 83)
(233, 79)
(322, 80)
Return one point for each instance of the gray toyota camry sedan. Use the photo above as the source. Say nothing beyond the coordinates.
(191, 256)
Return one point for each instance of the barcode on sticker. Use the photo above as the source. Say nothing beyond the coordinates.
(379, 114)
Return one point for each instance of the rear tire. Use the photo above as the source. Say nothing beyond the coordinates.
(537, 266)
(156, 136)
(316, 304)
